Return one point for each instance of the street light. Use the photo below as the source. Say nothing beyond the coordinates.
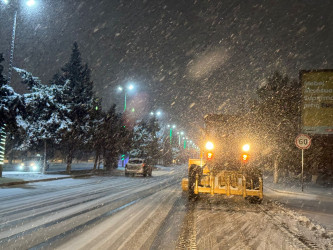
(171, 127)
(157, 113)
(120, 89)
(179, 136)
(29, 3)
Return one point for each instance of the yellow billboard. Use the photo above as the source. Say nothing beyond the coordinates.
(317, 101)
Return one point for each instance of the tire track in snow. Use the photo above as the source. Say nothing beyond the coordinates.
(188, 235)
(296, 238)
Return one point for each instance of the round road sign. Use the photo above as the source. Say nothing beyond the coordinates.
(303, 141)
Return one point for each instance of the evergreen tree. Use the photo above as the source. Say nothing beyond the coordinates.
(145, 143)
(167, 152)
(96, 136)
(278, 117)
(10, 106)
(153, 147)
(10, 102)
(140, 140)
(45, 116)
(116, 138)
(79, 100)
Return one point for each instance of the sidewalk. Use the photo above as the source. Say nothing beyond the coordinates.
(315, 202)
(17, 178)
(10, 178)
(294, 187)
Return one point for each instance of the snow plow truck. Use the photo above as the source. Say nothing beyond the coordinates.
(229, 161)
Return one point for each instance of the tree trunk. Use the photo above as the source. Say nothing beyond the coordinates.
(107, 161)
(96, 159)
(276, 170)
(44, 163)
(10, 157)
(69, 161)
(99, 162)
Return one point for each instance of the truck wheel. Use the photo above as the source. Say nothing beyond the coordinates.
(193, 171)
(126, 174)
(150, 173)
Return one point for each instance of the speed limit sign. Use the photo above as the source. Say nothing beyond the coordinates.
(303, 141)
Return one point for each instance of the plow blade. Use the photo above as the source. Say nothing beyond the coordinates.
(229, 183)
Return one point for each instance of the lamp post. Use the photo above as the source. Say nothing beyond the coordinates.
(130, 86)
(29, 3)
(179, 135)
(170, 135)
(121, 89)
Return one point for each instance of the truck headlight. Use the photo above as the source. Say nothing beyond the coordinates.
(246, 147)
(209, 145)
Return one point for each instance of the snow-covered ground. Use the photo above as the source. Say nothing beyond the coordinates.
(314, 202)
(118, 212)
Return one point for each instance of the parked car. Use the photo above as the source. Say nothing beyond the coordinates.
(138, 166)
(31, 164)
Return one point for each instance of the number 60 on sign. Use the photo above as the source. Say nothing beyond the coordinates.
(303, 141)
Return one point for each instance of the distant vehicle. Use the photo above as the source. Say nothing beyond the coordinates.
(31, 164)
(138, 166)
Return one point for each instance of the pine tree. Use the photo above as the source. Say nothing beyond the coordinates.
(79, 100)
(145, 143)
(45, 116)
(116, 138)
(278, 117)
(10, 102)
(10, 107)
(153, 149)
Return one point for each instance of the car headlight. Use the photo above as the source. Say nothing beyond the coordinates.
(34, 167)
(21, 166)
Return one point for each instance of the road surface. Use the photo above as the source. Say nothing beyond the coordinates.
(117, 212)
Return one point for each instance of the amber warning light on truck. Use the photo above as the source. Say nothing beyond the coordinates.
(245, 157)
(209, 155)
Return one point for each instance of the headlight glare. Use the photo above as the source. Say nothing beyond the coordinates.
(209, 145)
(246, 147)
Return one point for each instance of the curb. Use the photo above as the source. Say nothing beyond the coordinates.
(48, 179)
(327, 197)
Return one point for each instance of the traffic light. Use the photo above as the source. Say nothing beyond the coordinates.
(245, 157)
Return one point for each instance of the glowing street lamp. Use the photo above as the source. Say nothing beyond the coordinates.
(171, 127)
(179, 136)
(121, 89)
(31, 3)
(157, 113)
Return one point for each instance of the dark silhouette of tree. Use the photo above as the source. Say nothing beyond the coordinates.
(145, 142)
(79, 100)
(114, 138)
(278, 117)
(11, 106)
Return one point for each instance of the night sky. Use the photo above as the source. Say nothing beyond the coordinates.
(187, 58)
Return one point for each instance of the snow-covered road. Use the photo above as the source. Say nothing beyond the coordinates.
(115, 212)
